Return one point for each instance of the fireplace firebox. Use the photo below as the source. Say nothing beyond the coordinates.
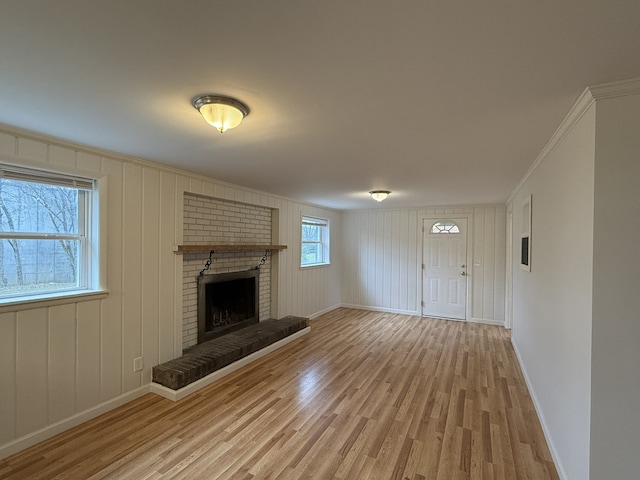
(227, 302)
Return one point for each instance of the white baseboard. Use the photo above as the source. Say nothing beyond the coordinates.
(47, 432)
(380, 309)
(415, 312)
(176, 395)
(488, 321)
(322, 312)
(545, 430)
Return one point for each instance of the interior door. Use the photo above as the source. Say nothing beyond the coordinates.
(444, 257)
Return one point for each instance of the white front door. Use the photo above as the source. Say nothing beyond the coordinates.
(444, 263)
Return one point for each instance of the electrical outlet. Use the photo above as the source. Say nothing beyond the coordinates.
(137, 364)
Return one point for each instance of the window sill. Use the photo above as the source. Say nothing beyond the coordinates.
(49, 300)
(314, 265)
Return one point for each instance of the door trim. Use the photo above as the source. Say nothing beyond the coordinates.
(449, 216)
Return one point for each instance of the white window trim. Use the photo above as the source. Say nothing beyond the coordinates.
(95, 268)
(326, 248)
(16, 304)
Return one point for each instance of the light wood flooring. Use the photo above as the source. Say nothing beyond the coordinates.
(365, 395)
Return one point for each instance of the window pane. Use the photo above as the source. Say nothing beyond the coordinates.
(32, 266)
(315, 244)
(37, 208)
(310, 233)
(446, 226)
(311, 253)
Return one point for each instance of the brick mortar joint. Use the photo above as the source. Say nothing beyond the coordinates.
(228, 222)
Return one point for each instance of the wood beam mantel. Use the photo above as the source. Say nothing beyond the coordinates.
(226, 248)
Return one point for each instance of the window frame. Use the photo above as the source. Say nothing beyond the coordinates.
(91, 276)
(444, 227)
(324, 242)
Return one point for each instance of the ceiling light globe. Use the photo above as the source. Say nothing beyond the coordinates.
(222, 113)
(379, 195)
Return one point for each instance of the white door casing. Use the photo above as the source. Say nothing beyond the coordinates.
(445, 267)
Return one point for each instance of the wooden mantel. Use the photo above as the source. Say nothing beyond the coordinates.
(226, 248)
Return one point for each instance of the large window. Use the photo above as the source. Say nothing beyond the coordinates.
(315, 242)
(45, 230)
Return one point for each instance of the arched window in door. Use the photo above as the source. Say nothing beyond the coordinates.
(445, 226)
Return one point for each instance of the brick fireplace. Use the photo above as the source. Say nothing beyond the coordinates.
(239, 231)
(214, 221)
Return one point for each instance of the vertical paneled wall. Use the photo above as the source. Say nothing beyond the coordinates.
(315, 289)
(383, 258)
(64, 363)
(62, 360)
(487, 264)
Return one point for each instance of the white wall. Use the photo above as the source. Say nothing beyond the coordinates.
(62, 364)
(552, 303)
(383, 257)
(615, 374)
(576, 324)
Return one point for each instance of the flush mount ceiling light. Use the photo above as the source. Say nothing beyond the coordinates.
(221, 112)
(379, 195)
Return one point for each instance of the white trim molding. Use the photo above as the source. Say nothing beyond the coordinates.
(616, 89)
(323, 311)
(579, 108)
(541, 417)
(468, 309)
(176, 395)
(487, 321)
(380, 309)
(68, 423)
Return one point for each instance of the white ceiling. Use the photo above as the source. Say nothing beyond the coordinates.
(443, 103)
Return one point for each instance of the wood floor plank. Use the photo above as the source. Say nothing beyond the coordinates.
(367, 395)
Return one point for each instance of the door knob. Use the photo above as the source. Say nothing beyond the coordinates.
(463, 273)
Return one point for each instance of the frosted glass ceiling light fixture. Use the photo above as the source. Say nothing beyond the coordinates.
(379, 195)
(221, 112)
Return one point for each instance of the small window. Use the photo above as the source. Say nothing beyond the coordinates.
(445, 226)
(315, 242)
(44, 232)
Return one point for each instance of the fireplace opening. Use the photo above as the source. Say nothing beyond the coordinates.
(227, 302)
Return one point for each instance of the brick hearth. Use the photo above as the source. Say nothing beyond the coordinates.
(205, 358)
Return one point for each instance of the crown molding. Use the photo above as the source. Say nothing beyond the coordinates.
(580, 107)
(589, 96)
(616, 89)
